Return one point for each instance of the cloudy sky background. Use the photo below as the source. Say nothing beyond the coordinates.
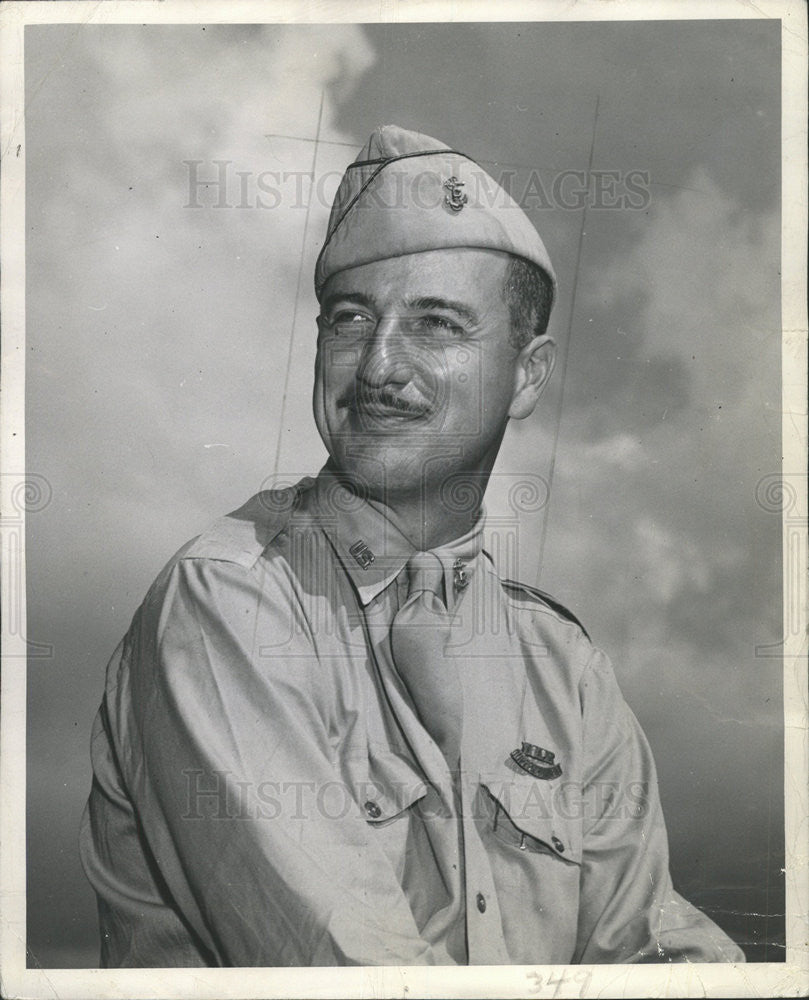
(158, 339)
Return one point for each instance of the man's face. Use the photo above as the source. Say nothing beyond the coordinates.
(415, 373)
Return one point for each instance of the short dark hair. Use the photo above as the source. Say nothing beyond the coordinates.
(528, 293)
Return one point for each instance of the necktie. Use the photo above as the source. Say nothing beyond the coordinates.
(418, 635)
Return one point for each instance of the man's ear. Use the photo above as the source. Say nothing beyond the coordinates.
(534, 366)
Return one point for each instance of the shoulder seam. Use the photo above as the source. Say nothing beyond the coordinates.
(244, 535)
(548, 601)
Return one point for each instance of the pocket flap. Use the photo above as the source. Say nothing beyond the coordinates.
(533, 815)
(384, 784)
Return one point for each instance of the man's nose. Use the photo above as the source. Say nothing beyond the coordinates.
(389, 356)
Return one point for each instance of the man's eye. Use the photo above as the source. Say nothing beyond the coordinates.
(438, 325)
(347, 316)
(347, 323)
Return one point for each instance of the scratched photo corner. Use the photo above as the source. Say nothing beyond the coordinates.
(475, 331)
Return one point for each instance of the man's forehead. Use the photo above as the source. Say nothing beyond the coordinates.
(429, 272)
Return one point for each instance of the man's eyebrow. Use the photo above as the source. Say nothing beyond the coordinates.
(459, 308)
(350, 298)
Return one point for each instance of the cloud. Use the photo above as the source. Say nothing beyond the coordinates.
(178, 309)
(671, 418)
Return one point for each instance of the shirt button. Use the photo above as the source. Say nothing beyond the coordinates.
(373, 810)
(557, 843)
(481, 901)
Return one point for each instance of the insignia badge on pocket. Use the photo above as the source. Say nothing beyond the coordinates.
(536, 761)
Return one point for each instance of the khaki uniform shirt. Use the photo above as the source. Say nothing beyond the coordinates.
(265, 794)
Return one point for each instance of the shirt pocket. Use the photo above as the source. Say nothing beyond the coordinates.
(526, 815)
(389, 793)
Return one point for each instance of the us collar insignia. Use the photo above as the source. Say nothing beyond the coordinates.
(362, 554)
(460, 579)
(536, 761)
(455, 199)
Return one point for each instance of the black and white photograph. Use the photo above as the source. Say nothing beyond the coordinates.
(403, 499)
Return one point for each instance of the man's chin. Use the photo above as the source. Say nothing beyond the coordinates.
(381, 470)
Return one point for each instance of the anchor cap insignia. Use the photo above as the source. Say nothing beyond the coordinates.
(455, 199)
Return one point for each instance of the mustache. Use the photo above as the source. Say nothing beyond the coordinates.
(369, 397)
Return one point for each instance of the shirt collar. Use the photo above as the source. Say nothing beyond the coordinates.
(370, 545)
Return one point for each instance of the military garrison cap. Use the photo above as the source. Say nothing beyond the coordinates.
(407, 193)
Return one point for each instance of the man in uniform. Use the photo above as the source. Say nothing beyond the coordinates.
(333, 735)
